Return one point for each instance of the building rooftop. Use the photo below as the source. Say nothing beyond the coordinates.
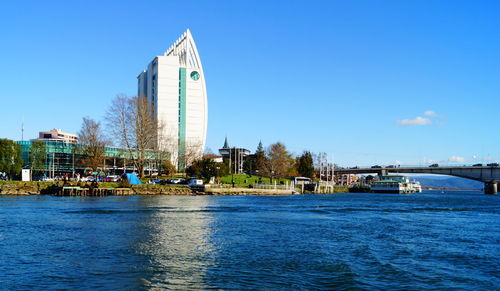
(57, 135)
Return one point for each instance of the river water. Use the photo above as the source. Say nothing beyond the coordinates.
(340, 241)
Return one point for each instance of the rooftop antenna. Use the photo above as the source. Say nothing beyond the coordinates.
(22, 129)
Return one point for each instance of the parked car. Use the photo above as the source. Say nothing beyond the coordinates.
(114, 178)
(87, 179)
(493, 165)
(154, 181)
(391, 167)
(376, 167)
(434, 166)
(477, 165)
(195, 182)
(174, 181)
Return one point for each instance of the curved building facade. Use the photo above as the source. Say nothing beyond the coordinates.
(174, 83)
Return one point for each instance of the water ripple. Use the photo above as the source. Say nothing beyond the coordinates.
(342, 242)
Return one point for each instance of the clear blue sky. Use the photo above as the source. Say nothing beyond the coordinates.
(353, 79)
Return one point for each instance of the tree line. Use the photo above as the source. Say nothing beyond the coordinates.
(129, 124)
(11, 161)
(274, 162)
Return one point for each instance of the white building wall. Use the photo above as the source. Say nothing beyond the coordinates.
(142, 83)
(195, 110)
(167, 100)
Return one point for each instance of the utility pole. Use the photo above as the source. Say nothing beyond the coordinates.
(327, 172)
(230, 165)
(333, 169)
(53, 165)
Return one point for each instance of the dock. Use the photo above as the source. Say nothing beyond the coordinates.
(95, 192)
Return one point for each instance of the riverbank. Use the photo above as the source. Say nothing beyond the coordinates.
(107, 189)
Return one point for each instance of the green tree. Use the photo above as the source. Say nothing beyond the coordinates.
(37, 157)
(206, 168)
(305, 165)
(260, 160)
(10, 157)
(280, 163)
(194, 170)
(249, 164)
(168, 168)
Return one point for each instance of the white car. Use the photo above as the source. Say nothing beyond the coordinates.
(175, 181)
(114, 178)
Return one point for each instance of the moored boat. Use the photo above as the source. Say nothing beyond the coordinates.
(395, 184)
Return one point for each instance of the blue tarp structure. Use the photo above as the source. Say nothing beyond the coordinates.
(132, 179)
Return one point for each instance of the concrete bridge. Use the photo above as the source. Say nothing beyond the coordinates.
(490, 176)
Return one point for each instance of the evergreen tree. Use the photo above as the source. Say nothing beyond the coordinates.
(260, 148)
(260, 160)
(305, 165)
(206, 168)
(168, 168)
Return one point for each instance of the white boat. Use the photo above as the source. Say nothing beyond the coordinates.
(395, 184)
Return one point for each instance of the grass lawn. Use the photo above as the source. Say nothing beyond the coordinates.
(245, 180)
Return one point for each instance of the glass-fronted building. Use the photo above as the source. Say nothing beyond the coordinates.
(64, 158)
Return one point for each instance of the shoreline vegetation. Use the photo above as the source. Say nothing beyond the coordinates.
(107, 189)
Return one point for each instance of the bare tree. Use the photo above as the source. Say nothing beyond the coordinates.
(165, 149)
(192, 151)
(93, 142)
(134, 127)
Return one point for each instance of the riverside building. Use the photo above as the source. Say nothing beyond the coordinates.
(235, 156)
(57, 135)
(174, 83)
(64, 156)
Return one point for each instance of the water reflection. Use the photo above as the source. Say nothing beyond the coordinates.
(175, 241)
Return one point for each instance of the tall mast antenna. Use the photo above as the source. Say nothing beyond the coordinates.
(22, 129)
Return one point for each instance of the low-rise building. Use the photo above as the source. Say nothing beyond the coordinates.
(347, 179)
(64, 156)
(57, 135)
(236, 157)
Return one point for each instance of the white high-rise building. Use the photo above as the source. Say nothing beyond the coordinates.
(174, 83)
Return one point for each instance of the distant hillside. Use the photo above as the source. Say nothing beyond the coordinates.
(447, 182)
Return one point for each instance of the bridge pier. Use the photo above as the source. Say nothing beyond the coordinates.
(490, 187)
